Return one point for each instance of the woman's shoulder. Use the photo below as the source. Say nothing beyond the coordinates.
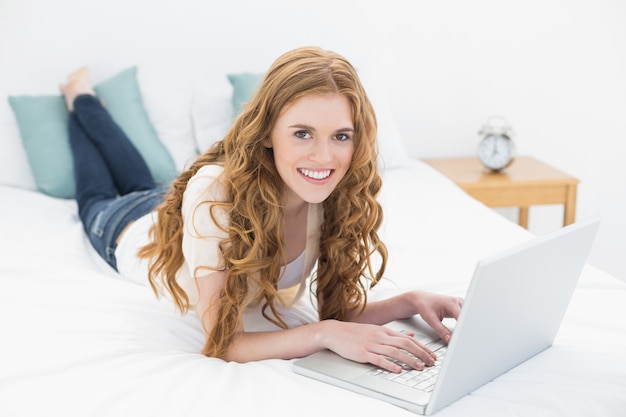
(207, 183)
(210, 171)
(208, 174)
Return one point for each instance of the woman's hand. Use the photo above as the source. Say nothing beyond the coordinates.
(434, 308)
(369, 343)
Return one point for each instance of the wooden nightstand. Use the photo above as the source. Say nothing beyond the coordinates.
(525, 183)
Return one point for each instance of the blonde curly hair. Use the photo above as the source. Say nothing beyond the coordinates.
(254, 250)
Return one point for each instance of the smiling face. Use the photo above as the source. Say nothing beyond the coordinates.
(313, 145)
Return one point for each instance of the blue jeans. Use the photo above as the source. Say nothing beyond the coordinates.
(114, 185)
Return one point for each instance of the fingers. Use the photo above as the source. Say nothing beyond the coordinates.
(402, 349)
(395, 365)
(433, 318)
(435, 323)
(416, 350)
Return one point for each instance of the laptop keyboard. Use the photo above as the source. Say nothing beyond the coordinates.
(420, 380)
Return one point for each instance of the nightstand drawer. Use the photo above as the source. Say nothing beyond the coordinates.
(520, 196)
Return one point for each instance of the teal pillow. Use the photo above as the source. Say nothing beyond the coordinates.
(42, 121)
(244, 85)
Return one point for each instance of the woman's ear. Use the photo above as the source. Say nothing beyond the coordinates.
(267, 142)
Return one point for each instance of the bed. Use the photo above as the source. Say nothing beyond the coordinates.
(79, 340)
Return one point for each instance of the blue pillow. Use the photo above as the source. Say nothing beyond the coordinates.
(244, 85)
(42, 121)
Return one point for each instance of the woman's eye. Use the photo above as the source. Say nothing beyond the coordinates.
(303, 134)
(342, 137)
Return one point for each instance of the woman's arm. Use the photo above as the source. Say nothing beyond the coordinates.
(432, 307)
(361, 342)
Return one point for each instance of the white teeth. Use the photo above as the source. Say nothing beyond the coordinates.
(316, 175)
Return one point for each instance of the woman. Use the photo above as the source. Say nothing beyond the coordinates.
(293, 184)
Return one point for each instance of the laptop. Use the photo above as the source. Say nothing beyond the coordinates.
(512, 311)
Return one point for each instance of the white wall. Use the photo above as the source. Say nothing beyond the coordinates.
(555, 69)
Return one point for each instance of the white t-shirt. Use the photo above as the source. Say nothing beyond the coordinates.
(201, 241)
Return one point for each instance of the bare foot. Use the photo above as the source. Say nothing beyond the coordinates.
(77, 84)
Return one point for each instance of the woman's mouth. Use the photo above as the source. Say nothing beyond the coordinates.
(320, 174)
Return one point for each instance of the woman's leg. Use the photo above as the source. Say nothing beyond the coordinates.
(106, 164)
(126, 166)
(94, 183)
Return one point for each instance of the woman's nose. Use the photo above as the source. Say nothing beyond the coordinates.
(321, 151)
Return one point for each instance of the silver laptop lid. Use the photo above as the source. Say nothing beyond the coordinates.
(513, 309)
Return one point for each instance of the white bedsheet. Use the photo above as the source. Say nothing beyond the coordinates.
(77, 340)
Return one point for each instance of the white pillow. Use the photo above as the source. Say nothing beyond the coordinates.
(211, 111)
(167, 99)
(14, 168)
(393, 152)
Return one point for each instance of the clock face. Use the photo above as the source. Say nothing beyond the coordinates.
(495, 151)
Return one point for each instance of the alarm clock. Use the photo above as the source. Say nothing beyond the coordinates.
(496, 149)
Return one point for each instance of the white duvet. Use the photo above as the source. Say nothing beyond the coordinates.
(78, 340)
